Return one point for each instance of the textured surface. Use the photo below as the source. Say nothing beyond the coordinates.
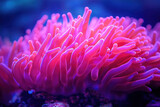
(111, 55)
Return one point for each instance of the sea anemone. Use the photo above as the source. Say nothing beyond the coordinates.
(111, 55)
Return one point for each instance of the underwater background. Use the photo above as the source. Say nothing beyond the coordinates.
(18, 15)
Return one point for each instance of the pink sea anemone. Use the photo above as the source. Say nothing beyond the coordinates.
(108, 54)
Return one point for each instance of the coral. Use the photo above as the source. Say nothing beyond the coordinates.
(108, 54)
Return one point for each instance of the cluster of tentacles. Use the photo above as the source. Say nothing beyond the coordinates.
(108, 54)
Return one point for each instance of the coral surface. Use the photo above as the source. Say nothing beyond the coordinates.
(111, 55)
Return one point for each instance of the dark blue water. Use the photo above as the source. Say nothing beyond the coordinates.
(18, 15)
